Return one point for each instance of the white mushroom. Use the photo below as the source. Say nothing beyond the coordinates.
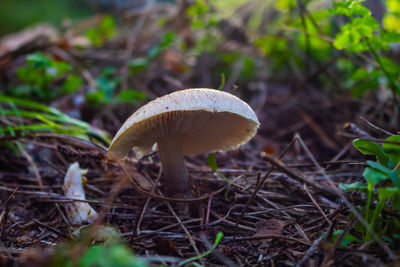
(78, 212)
(187, 122)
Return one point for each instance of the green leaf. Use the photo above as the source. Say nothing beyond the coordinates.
(113, 256)
(391, 146)
(105, 30)
(222, 84)
(131, 95)
(354, 186)
(368, 147)
(199, 7)
(286, 4)
(362, 88)
(373, 176)
(95, 98)
(385, 193)
(218, 239)
(360, 74)
(369, 22)
(38, 60)
(390, 173)
(212, 162)
(391, 37)
(72, 84)
(61, 67)
(342, 39)
(271, 45)
(360, 10)
(138, 65)
(396, 202)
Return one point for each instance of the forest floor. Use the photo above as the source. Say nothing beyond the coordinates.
(282, 205)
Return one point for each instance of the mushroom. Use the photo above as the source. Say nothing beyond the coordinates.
(187, 122)
(78, 212)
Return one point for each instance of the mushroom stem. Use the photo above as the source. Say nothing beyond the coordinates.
(175, 174)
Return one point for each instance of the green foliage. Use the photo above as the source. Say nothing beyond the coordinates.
(47, 119)
(114, 256)
(212, 162)
(383, 187)
(391, 21)
(103, 31)
(40, 75)
(286, 5)
(106, 87)
(19, 14)
(362, 33)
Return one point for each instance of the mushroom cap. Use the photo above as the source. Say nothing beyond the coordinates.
(208, 120)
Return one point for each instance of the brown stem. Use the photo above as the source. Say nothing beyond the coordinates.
(175, 174)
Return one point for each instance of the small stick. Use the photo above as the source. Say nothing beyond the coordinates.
(316, 204)
(316, 129)
(34, 167)
(299, 177)
(206, 220)
(261, 237)
(143, 210)
(5, 215)
(49, 227)
(162, 229)
(63, 217)
(376, 127)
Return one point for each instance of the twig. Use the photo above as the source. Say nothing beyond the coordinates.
(162, 229)
(189, 236)
(49, 227)
(300, 178)
(207, 218)
(316, 204)
(4, 215)
(143, 210)
(34, 167)
(376, 127)
(261, 237)
(315, 127)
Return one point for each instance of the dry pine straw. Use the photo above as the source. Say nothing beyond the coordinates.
(284, 223)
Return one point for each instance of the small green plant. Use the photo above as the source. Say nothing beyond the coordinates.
(212, 163)
(218, 239)
(103, 31)
(382, 188)
(41, 76)
(106, 87)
